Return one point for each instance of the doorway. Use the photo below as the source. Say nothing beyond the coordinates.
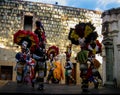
(6, 72)
(28, 22)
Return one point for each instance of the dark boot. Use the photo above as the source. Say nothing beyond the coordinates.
(96, 85)
(33, 85)
(33, 82)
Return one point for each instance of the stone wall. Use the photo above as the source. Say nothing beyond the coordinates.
(111, 41)
(57, 21)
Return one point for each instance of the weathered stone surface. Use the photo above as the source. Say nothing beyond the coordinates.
(111, 41)
(57, 21)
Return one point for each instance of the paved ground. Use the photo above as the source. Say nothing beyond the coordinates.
(3, 82)
(13, 87)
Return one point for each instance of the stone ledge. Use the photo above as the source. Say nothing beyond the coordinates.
(110, 84)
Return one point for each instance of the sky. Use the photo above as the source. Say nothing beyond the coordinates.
(100, 5)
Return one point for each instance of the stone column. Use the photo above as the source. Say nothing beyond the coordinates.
(110, 31)
(109, 61)
(117, 67)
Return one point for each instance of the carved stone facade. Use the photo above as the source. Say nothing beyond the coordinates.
(111, 41)
(57, 21)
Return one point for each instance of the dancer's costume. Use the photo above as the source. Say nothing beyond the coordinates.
(24, 61)
(21, 62)
(69, 65)
(39, 55)
(85, 36)
(52, 52)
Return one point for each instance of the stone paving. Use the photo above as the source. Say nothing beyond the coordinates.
(13, 87)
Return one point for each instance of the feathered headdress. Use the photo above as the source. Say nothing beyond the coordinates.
(54, 50)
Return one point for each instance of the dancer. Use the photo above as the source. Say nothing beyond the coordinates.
(85, 35)
(25, 63)
(39, 55)
(69, 66)
(58, 71)
(50, 67)
(21, 61)
(68, 70)
(52, 52)
(29, 72)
